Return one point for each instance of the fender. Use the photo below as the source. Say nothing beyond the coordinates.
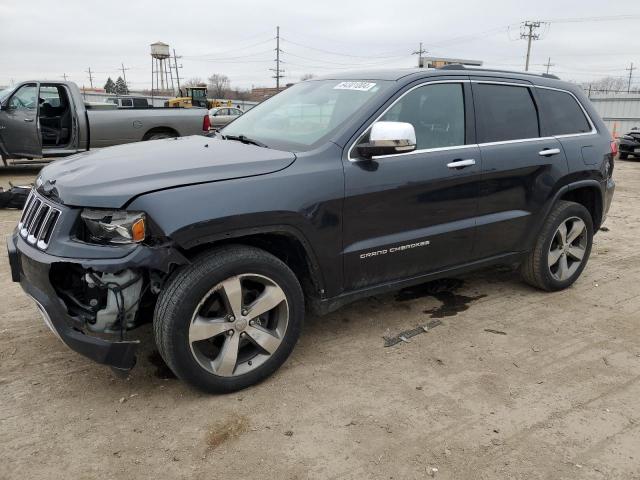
(287, 230)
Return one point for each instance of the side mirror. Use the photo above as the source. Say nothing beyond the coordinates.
(388, 138)
(4, 106)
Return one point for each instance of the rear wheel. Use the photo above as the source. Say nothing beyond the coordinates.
(230, 319)
(158, 135)
(562, 249)
(623, 156)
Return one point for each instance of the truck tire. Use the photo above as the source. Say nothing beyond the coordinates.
(562, 249)
(229, 319)
(160, 135)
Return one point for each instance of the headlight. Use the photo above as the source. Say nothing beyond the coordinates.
(114, 226)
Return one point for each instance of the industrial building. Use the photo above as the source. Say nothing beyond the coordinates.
(620, 112)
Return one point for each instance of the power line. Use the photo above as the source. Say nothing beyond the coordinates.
(419, 52)
(233, 50)
(339, 53)
(528, 29)
(605, 18)
(351, 64)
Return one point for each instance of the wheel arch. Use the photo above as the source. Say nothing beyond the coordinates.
(585, 192)
(155, 130)
(589, 195)
(283, 242)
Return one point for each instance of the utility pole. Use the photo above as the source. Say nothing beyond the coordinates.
(64, 75)
(278, 72)
(419, 52)
(90, 77)
(630, 70)
(528, 29)
(175, 62)
(124, 75)
(549, 64)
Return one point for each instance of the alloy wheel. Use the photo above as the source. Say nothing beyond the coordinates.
(568, 248)
(238, 325)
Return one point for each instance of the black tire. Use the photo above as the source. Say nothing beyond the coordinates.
(535, 269)
(190, 284)
(159, 135)
(623, 156)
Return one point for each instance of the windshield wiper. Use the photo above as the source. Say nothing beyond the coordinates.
(245, 139)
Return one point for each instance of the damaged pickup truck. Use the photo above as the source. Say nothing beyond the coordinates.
(331, 191)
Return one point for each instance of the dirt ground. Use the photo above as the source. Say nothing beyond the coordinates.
(514, 383)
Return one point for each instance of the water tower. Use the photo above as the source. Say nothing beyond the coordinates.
(160, 67)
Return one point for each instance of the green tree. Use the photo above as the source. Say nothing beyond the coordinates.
(110, 86)
(121, 87)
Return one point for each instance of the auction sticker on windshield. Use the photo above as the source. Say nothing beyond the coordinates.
(361, 86)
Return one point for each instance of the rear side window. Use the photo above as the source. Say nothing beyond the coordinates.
(505, 112)
(140, 102)
(560, 113)
(127, 102)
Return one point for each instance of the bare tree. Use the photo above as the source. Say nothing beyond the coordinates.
(218, 85)
(607, 84)
(194, 82)
(307, 76)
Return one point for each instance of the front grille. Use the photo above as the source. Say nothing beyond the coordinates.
(38, 221)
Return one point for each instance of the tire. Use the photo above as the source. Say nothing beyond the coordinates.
(159, 136)
(623, 156)
(552, 264)
(183, 318)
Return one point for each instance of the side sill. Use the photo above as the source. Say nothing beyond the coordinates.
(325, 306)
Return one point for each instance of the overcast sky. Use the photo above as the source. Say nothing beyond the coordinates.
(46, 39)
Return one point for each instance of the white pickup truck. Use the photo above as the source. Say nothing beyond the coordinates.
(43, 119)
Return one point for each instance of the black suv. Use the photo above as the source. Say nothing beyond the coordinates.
(333, 190)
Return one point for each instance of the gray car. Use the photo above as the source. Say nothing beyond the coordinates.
(221, 116)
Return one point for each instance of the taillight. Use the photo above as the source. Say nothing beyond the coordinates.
(614, 148)
(206, 123)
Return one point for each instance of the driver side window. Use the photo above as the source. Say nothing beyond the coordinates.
(25, 98)
(435, 111)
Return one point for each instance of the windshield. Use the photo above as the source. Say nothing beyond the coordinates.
(5, 93)
(301, 116)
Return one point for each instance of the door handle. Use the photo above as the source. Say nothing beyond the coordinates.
(461, 163)
(28, 119)
(547, 152)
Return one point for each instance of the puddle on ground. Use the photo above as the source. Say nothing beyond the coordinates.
(444, 291)
(162, 369)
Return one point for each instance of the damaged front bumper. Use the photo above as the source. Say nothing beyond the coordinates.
(32, 268)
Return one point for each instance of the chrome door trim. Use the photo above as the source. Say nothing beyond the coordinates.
(413, 152)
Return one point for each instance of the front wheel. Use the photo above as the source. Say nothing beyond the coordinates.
(562, 249)
(230, 319)
(623, 156)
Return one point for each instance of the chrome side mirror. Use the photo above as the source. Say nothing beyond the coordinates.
(387, 138)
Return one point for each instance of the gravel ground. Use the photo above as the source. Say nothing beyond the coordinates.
(514, 383)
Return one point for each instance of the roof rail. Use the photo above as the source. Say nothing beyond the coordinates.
(458, 66)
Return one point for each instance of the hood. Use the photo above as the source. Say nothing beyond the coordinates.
(110, 177)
